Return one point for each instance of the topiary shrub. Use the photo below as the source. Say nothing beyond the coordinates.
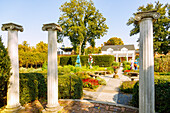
(162, 92)
(4, 73)
(64, 87)
(126, 63)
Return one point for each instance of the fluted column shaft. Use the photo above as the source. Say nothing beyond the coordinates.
(13, 88)
(52, 76)
(146, 68)
(146, 62)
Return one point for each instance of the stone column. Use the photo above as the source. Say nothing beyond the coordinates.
(146, 65)
(52, 75)
(117, 57)
(13, 103)
(127, 57)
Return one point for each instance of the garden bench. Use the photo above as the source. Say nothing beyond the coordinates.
(100, 72)
(93, 75)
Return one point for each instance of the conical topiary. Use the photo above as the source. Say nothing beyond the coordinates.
(4, 73)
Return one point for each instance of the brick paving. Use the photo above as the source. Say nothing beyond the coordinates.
(92, 107)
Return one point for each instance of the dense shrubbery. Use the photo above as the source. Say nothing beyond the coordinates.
(162, 92)
(127, 86)
(64, 87)
(162, 64)
(100, 60)
(34, 86)
(4, 73)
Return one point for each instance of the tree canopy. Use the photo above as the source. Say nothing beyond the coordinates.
(31, 56)
(161, 31)
(114, 41)
(81, 23)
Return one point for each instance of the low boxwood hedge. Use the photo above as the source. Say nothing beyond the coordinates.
(34, 86)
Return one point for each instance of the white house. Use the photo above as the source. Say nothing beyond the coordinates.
(121, 52)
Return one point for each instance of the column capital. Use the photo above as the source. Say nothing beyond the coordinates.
(147, 14)
(52, 26)
(11, 26)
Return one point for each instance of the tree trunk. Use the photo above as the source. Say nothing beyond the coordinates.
(80, 48)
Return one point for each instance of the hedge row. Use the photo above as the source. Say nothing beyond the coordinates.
(100, 60)
(34, 86)
(162, 92)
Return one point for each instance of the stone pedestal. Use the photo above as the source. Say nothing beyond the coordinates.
(13, 104)
(52, 75)
(146, 67)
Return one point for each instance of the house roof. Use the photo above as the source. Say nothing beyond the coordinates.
(118, 47)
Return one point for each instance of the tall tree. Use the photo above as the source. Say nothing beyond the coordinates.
(42, 47)
(161, 27)
(81, 23)
(114, 41)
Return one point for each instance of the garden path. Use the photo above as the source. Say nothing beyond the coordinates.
(110, 92)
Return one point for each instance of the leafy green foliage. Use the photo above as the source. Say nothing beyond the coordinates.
(161, 64)
(32, 57)
(160, 27)
(114, 41)
(100, 60)
(162, 92)
(127, 86)
(101, 81)
(64, 87)
(4, 73)
(34, 86)
(82, 23)
(92, 50)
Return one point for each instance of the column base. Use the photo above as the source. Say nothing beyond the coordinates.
(52, 109)
(13, 110)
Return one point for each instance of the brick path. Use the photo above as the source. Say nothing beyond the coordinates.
(93, 107)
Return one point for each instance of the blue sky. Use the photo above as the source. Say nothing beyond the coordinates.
(32, 14)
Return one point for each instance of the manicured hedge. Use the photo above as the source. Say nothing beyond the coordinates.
(100, 60)
(34, 86)
(162, 93)
(64, 87)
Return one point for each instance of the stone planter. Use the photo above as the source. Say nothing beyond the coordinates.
(115, 71)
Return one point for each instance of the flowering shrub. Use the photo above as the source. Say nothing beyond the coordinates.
(125, 71)
(90, 83)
